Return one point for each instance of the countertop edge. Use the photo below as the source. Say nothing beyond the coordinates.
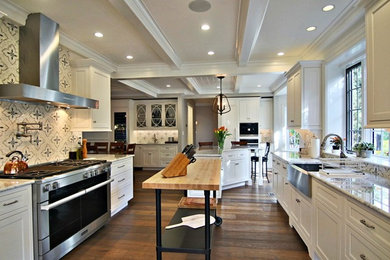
(330, 184)
(14, 184)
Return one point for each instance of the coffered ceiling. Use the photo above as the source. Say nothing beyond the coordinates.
(170, 51)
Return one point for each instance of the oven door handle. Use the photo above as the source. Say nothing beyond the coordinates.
(62, 201)
(88, 190)
(74, 196)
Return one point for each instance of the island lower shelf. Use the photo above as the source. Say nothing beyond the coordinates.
(185, 239)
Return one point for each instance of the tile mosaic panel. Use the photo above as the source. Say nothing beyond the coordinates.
(55, 140)
(147, 136)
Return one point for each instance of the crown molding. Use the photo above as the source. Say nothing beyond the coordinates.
(138, 15)
(142, 86)
(279, 83)
(252, 13)
(79, 48)
(13, 12)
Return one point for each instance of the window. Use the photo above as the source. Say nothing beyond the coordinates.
(354, 105)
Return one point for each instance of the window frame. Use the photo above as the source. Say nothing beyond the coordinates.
(349, 109)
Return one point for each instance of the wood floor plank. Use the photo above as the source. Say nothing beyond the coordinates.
(254, 227)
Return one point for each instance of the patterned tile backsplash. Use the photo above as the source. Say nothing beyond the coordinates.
(55, 140)
(148, 136)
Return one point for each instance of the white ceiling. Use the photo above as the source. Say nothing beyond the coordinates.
(168, 46)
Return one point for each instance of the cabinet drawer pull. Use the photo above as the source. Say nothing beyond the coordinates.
(297, 200)
(10, 203)
(275, 173)
(363, 221)
(121, 196)
(291, 121)
(284, 167)
(121, 166)
(122, 180)
(286, 183)
(237, 164)
(362, 256)
(278, 163)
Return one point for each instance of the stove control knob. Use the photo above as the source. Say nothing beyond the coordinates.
(55, 185)
(46, 188)
(86, 175)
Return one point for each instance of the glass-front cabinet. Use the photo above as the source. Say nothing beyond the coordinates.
(151, 114)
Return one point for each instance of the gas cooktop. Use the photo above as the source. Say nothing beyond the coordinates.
(48, 169)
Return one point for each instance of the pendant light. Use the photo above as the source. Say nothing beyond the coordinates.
(221, 103)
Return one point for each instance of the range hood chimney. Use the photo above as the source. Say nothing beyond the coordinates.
(39, 67)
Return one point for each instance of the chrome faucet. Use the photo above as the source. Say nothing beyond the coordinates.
(322, 149)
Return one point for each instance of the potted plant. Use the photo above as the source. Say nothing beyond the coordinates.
(363, 149)
(336, 143)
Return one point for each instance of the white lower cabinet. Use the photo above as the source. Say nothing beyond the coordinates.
(301, 216)
(154, 155)
(235, 165)
(16, 231)
(280, 184)
(122, 185)
(347, 229)
(328, 227)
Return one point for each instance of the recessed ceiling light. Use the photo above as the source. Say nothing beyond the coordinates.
(328, 8)
(98, 34)
(210, 53)
(311, 28)
(129, 57)
(168, 86)
(259, 86)
(205, 27)
(280, 53)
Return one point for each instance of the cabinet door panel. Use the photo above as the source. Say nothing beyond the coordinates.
(290, 102)
(100, 84)
(378, 56)
(328, 237)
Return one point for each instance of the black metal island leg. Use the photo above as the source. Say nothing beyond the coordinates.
(207, 224)
(158, 225)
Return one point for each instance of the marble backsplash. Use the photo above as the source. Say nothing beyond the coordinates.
(55, 140)
(148, 136)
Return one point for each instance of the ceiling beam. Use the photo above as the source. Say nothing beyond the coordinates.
(138, 15)
(188, 84)
(237, 80)
(142, 86)
(203, 69)
(195, 84)
(252, 13)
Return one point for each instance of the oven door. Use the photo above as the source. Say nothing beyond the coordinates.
(72, 208)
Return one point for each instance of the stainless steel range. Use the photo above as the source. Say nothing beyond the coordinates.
(71, 200)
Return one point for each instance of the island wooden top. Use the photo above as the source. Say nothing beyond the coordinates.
(204, 174)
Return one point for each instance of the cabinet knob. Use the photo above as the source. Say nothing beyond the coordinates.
(94, 121)
(363, 256)
(297, 200)
(275, 173)
(363, 221)
(292, 121)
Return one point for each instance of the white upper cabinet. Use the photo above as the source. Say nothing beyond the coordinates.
(150, 114)
(304, 95)
(249, 110)
(91, 82)
(266, 116)
(378, 65)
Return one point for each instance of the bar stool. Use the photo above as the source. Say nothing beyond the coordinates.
(264, 160)
(254, 160)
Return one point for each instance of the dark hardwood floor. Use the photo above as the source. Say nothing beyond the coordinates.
(254, 227)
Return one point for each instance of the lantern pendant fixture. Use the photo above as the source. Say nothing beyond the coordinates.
(221, 103)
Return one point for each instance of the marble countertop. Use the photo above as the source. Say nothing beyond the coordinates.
(108, 157)
(9, 184)
(370, 190)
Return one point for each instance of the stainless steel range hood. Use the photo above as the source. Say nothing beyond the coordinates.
(39, 67)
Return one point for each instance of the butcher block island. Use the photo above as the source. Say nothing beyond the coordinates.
(204, 175)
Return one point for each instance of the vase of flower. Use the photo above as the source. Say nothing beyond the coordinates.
(221, 134)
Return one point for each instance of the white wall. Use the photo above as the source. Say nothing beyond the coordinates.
(335, 92)
(207, 121)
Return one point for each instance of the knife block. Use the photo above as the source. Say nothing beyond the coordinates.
(176, 167)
